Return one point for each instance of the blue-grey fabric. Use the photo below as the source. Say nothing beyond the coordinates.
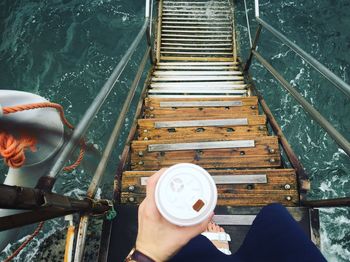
(273, 237)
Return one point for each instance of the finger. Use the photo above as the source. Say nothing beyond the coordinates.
(152, 182)
(202, 227)
(206, 223)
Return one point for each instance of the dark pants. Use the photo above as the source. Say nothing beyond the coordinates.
(274, 236)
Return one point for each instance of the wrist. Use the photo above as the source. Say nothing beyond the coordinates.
(136, 255)
(150, 252)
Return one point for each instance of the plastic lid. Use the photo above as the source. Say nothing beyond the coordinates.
(186, 194)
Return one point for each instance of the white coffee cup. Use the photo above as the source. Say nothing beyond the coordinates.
(185, 194)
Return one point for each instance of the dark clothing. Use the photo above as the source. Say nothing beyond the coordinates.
(273, 236)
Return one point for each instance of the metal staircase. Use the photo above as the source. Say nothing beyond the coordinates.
(200, 107)
(199, 110)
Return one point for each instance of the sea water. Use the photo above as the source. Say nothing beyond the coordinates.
(65, 50)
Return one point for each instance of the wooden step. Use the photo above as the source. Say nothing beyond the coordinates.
(228, 63)
(226, 28)
(181, 96)
(199, 85)
(180, 15)
(187, 113)
(235, 187)
(194, 39)
(196, 78)
(162, 73)
(156, 107)
(263, 152)
(193, 129)
(202, 91)
(204, 49)
(189, 58)
(204, 22)
(185, 68)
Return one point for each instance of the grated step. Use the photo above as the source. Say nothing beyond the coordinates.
(195, 73)
(192, 86)
(202, 91)
(195, 78)
(179, 40)
(198, 48)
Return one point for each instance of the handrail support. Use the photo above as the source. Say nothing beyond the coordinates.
(253, 48)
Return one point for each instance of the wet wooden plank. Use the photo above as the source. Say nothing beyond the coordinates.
(246, 101)
(154, 109)
(189, 58)
(200, 145)
(199, 85)
(256, 127)
(224, 179)
(251, 120)
(281, 187)
(201, 123)
(210, 113)
(264, 154)
(195, 133)
(228, 63)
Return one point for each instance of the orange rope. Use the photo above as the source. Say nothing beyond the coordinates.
(79, 159)
(19, 108)
(30, 238)
(12, 149)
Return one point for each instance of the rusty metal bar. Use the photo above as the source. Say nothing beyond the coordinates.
(336, 202)
(342, 142)
(303, 182)
(255, 43)
(84, 220)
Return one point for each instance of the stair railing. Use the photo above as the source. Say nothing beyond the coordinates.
(59, 205)
(314, 114)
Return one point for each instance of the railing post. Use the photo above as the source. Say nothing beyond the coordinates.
(257, 8)
(255, 43)
(147, 9)
(248, 25)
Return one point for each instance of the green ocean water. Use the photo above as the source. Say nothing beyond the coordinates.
(65, 50)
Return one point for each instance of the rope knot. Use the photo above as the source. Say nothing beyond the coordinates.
(12, 149)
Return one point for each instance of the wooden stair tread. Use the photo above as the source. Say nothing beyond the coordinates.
(252, 119)
(265, 153)
(193, 134)
(281, 187)
(246, 101)
(255, 127)
(154, 109)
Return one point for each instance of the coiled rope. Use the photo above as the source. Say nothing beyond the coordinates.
(12, 150)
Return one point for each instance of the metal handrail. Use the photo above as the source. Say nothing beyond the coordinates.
(95, 106)
(339, 139)
(335, 80)
(84, 220)
(329, 75)
(248, 24)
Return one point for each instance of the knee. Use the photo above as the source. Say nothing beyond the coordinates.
(274, 209)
